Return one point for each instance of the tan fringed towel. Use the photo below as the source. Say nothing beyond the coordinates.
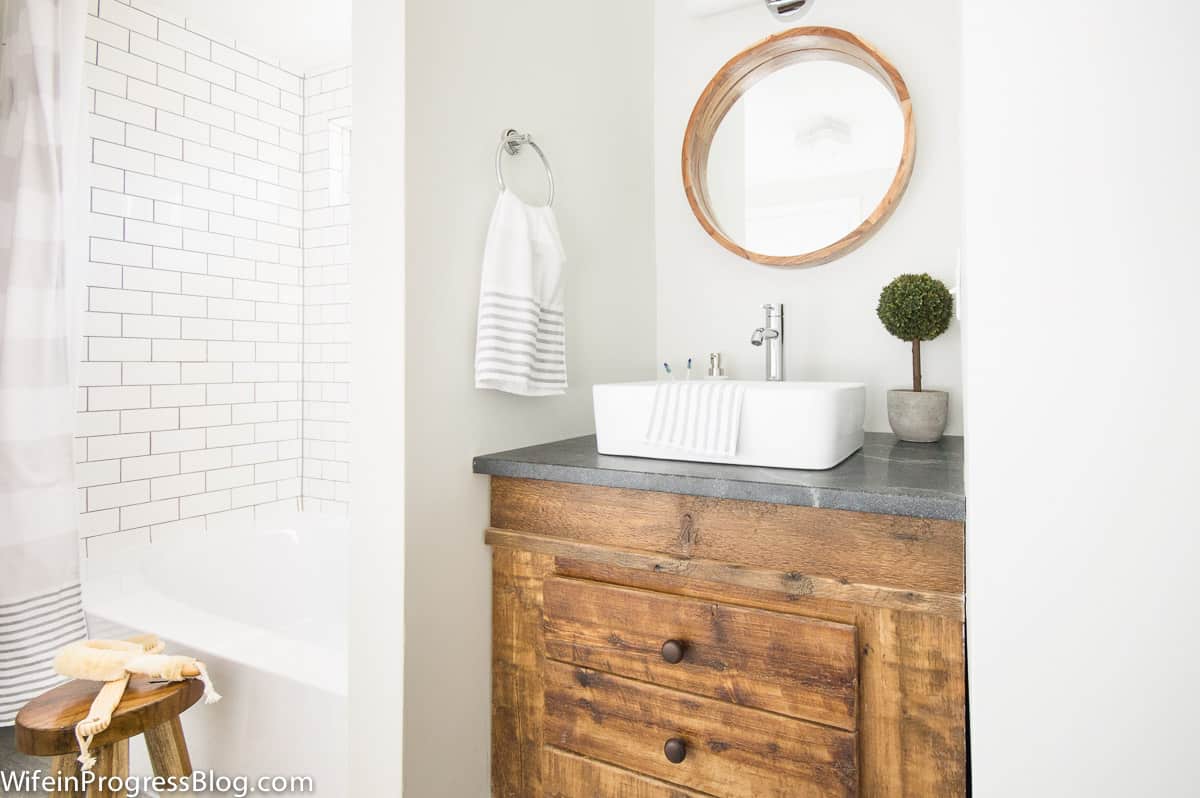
(113, 662)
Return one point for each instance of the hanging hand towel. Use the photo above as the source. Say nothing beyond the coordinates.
(520, 344)
(697, 417)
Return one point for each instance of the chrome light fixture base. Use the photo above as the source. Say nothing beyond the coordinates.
(788, 10)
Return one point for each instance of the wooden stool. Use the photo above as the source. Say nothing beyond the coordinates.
(46, 727)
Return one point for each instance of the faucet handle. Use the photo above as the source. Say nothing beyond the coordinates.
(773, 311)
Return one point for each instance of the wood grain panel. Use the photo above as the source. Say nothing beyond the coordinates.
(735, 579)
(803, 667)
(517, 657)
(733, 751)
(917, 699)
(569, 776)
(912, 675)
(892, 551)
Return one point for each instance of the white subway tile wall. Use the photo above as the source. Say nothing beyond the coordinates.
(326, 329)
(215, 378)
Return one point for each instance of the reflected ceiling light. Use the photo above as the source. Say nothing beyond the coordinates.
(827, 128)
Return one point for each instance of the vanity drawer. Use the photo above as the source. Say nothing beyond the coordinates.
(567, 775)
(728, 750)
(796, 666)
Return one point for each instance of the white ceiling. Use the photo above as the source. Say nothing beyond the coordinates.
(305, 35)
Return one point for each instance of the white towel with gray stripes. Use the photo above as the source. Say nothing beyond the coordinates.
(521, 338)
(697, 417)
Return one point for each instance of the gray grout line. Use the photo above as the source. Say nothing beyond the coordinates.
(191, 296)
(304, 178)
(197, 251)
(185, 115)
(181, 183)
(158, 37)
(329, 72)
(304, 258)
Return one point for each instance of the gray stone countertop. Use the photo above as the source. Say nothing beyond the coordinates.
(886, 476)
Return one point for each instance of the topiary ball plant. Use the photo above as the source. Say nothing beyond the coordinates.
(916, 308)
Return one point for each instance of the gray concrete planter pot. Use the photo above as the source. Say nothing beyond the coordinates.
(918, 416)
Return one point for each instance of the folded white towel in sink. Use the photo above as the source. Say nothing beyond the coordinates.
(521, 338)
(697, 417)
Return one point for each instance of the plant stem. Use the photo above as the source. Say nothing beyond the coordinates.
(917, 365)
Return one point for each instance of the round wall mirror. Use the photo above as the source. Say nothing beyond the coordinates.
(799, 148)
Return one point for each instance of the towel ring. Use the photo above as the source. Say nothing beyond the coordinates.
(511, 142)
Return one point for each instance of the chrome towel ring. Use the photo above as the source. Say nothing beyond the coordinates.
(511, 142)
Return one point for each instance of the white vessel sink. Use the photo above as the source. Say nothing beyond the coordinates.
(812, 425)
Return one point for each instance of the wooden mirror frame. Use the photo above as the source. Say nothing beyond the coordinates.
(752, 65)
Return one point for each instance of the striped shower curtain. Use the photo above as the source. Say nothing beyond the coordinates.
(41, 66)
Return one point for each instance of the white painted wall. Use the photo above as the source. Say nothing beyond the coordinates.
(378, 491)
(576, 76)
(710, 300)
(1080, 130)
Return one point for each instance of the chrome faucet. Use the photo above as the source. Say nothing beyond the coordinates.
(772, 333)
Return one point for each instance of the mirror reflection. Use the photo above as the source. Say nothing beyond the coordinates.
(804, 157)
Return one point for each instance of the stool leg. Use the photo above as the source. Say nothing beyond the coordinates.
(64, 768)
(168, 749)
(111, 761)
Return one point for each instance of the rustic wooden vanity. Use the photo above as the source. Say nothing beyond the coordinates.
(668, 630)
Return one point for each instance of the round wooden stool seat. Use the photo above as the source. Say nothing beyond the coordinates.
(46, 725)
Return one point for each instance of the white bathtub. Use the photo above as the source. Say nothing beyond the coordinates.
(265, 608)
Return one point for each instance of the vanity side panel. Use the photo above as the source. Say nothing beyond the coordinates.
(913, 732)
(518, 654)
(933, 678)
(913, 553)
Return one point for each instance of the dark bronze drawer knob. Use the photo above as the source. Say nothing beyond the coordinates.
(672, 651)
(676, 750)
